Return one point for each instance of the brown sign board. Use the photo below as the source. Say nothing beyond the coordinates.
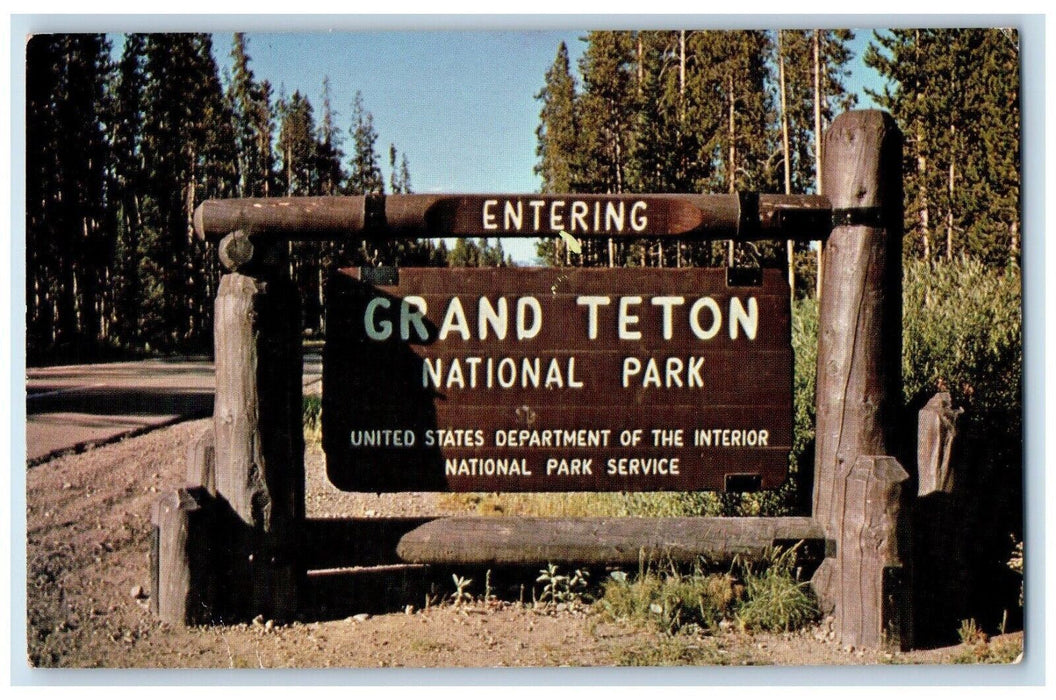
(578, 215)
(556, 379)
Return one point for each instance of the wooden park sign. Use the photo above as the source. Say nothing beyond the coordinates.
(560, 379)
(546, 379)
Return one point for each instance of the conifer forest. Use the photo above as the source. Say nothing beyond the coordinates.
(127, 134)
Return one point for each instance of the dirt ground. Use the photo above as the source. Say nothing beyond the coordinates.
(88, 543)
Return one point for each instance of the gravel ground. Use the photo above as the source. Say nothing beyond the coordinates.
(88, 534)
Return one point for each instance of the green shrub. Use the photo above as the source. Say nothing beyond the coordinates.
(962, 333)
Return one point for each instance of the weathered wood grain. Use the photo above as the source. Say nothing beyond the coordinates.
(872, 595)
(258, 431)
(201, 461)
(936, 430)
(181, 560)
(710, 216)
(859, 349)
(522, 540)
(860, 323)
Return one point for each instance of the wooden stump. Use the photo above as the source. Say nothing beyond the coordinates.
(182, 572)
(872, 601)
(257, 420)
(936, 429)
(940, 576)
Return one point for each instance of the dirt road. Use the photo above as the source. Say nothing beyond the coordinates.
(73, 406)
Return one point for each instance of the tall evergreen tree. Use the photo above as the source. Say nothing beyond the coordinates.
(127, 187)
(365, 176)
(557, 133)
(812, 90)
(254, 119)
(297, 146)
(183, 102)
(400, 172)
(557, 143)
(606, 123)
(329, 155)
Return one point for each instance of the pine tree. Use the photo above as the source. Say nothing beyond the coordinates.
(127, 187)
(328, 151)
(183, 102)
(994, 235)
(556, 134)
(479, 253)
(735, 74)
(297, 144)
(365, 176)
(254, 120)
(606, 123)
(400, 172)
(814, 92)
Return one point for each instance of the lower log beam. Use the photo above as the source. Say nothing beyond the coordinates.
(520, 540)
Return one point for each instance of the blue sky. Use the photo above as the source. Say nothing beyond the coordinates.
(460, 104)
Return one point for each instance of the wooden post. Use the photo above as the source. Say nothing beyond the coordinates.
(860, 319)
(940, 576)
(872, 601)
(257, 421)
(201, 462)
(182, 573)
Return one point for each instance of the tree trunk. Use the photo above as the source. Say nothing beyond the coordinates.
(819, 150)
(789, 245)
(732, 165)
(925, 228)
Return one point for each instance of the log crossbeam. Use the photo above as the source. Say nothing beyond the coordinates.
(739, 216)
(627, 541)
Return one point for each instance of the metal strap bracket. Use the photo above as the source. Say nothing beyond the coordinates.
(873, 217)
(374, 213)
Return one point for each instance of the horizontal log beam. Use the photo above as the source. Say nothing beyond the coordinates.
(519, 540)
(744, 216)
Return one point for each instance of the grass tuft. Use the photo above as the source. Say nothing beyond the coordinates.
(765, 595)
(775, 599)
(312, 417)
(669, 600)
